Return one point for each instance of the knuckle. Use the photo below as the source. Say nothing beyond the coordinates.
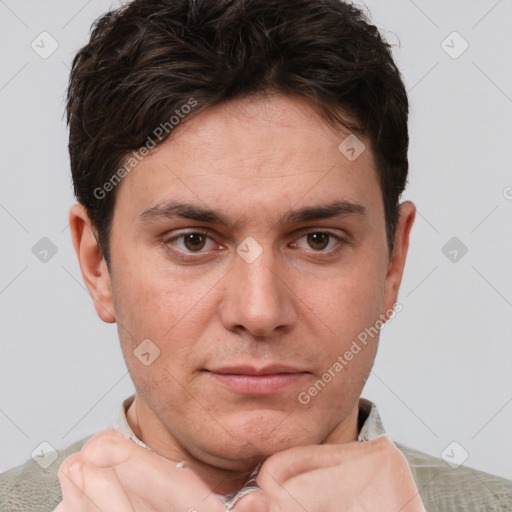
(76, 457)
(103, 438)
(390, 453)
(384, 444)
(253, 502)
(104, 442)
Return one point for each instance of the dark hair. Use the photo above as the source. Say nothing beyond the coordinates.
(148, 59)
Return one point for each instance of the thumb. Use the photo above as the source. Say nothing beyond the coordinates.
(253, 502)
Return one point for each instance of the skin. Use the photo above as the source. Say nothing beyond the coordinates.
(113, 473)
(254, 161)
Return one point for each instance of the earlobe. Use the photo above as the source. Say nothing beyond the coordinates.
(92, 263)
(398, 255)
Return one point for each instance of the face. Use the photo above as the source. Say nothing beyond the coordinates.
(252, 253)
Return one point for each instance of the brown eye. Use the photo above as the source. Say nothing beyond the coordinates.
(318, 241)
(193, 246)
(194, 241)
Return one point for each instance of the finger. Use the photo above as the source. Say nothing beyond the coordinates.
(371, 477)
(312, 491)
(348, 488)
(283, 501)
(86, 488)
(109, 448)
(253, 502)
(103, 490)
(71, 485)
(287, 464)
(163, 483)
(283, 466)
(145, 474)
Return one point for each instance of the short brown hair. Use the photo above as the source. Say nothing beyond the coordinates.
(147, 59)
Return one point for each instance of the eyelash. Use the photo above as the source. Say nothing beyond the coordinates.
(187, 256)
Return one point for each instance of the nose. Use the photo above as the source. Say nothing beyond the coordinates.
(257, 297)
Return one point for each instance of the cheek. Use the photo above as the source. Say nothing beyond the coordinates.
(151, 296)
(168, 307)
(350, 301)
(150, 306)
(347, 310)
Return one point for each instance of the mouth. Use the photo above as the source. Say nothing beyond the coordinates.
(251, 381)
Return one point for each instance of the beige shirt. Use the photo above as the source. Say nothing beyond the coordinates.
(443, 486)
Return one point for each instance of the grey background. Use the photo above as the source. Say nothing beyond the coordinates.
(443, 370)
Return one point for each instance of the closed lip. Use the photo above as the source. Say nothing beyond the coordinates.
(255, 381)
(253, 370)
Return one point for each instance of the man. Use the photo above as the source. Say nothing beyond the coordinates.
(238, 167)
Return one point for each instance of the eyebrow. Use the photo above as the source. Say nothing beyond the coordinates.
(174, 209)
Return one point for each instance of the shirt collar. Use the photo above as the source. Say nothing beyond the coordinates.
(121, 423)
(372, 426)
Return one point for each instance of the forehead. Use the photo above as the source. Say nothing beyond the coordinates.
(253, 157)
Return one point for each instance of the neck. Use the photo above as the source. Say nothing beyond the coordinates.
(219, 479)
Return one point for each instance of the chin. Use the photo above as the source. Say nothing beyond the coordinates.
(256, 439)
(242, 457)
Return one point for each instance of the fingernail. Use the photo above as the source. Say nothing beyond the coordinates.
(75, 474)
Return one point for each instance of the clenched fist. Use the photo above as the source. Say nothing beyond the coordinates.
(351, 477)
(113, 474)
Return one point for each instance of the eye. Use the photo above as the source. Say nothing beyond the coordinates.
(319, 241)
(192, 242)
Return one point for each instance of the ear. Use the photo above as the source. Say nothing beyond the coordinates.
(92, 264)
(396, 264)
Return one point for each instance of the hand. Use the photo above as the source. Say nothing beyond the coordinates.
(113, 474)
(352, 477)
